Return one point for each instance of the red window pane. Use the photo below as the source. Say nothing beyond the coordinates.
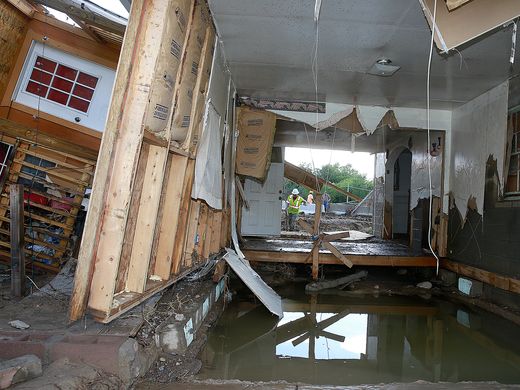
(83, 92)
(58, 97)
(78, 104)
(88, 80)
(66, 72)
(41, 77)
(45, 64)
(62, 84)
(37, 89)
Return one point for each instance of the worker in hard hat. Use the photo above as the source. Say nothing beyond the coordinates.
(294, 201)
(310, 198)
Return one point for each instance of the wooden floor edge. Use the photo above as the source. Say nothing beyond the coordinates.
(499, 281)
(328, 258)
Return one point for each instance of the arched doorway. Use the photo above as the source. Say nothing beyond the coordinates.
(402, 175)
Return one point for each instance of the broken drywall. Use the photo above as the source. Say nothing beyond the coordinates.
(207, 184)
(452, 29)
(479, 131)
(208, 180)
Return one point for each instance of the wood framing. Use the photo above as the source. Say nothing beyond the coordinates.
(141, 230)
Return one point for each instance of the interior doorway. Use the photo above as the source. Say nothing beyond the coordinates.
(402, 175)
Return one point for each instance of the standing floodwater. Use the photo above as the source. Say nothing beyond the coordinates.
(338, 340)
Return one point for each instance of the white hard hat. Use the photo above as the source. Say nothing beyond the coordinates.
(295, 191)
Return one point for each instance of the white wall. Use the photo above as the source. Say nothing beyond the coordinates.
(479, 131)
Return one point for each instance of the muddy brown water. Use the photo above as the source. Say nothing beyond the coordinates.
(341, 340)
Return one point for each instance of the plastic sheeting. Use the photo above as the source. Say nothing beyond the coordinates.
(208, 166)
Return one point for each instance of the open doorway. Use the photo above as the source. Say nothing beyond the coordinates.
(402, 175)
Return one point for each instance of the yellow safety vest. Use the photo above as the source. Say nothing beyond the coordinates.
(294, 204)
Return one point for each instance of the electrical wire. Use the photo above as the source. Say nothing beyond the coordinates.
(430, 214)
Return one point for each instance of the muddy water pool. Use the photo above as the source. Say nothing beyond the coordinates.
(340, 340)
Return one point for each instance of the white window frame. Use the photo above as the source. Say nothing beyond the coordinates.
(95, 117)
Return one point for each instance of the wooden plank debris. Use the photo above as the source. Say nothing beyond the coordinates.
(265, 294)
(17, 241)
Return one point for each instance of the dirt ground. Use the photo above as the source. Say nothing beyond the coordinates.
(170, 368)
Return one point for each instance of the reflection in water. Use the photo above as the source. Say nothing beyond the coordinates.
(345, 341)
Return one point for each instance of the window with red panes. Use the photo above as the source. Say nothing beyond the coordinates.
(62, 84)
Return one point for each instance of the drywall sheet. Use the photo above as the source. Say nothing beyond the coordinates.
(464, 24)
(372, 117)
(255, 142)
(263, 292)
(207, 184)
(479, 131)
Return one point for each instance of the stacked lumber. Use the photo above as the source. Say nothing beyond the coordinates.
(143, 230)
(54, 182)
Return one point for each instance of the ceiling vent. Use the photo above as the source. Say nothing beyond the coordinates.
(383, 67)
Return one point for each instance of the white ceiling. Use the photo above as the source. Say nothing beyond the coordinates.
(269, 47)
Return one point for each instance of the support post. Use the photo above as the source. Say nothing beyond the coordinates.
(315, 233)
(17, 241)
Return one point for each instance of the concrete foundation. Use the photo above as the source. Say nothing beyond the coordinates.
(178, 331)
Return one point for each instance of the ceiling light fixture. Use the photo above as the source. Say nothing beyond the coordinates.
(383, 67)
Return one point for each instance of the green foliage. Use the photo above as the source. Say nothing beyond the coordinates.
(342, 176)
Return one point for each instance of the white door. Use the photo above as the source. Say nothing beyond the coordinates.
(263, 218)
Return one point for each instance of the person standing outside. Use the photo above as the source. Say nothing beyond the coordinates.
(326, 201)
(310, 198)
(294, 201)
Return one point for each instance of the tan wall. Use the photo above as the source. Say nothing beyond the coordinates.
(13, 28)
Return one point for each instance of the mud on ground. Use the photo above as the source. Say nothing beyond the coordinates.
(169, 368)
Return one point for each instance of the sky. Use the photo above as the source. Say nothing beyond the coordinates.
(362, 162)
(112, 5)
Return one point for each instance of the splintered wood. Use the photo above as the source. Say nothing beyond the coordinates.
(143, 231)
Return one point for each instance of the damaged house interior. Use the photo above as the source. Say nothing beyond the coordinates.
(181, 203)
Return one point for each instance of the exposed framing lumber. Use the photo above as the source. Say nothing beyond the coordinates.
(192, 233)
(90, 13)
(146, 220)
(108, 212)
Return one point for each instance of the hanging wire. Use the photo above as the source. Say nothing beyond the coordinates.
(430, 216)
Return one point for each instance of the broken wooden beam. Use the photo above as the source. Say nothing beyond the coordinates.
(308, 180)
(344, 281)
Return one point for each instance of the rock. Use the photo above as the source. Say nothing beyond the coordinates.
(19, 324)
(426, 285)
(179, 317)
(162, 359)
(19, 369)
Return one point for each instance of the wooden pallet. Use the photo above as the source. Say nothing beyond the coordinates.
(52, 199)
